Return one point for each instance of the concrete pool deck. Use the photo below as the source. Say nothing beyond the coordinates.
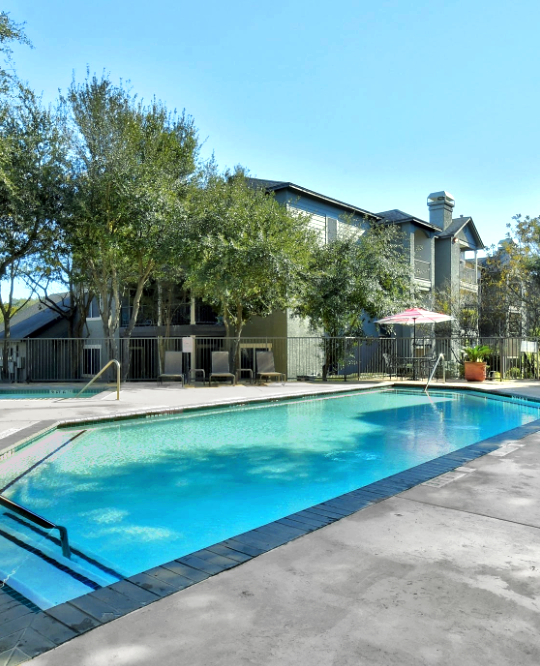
(447, 572)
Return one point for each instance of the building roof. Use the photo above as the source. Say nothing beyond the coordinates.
(399, 217)
(276, 185)
(35, 317)
(459, 223)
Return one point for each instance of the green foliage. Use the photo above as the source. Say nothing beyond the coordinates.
(514, 373)
(31, 189)
(356, 275)
(17, 305)
(246, 255)
(133, 167)
(31, 192)
(9, 32)
(458, 305)
(511, 281)
(478, 353)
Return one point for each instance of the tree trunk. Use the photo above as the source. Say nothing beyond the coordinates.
(160, 345)
(7, 334)
(6, 315)
(169, 315)
(132, 321)
(239, 325)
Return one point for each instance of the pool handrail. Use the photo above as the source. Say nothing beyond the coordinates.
(439, 357)
(39, 520)
(99, 375)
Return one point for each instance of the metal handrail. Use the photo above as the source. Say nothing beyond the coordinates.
(435, 368)
(39, 520)
(99, 375)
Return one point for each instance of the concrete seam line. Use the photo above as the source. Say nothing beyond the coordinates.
(472, 513)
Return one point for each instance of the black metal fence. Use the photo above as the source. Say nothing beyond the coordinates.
(307, 358)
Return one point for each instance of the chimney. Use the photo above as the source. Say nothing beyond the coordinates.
(440, 206)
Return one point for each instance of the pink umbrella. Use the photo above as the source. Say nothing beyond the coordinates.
(410, 317)
(413, 315)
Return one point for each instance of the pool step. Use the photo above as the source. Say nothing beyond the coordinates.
(31, 562)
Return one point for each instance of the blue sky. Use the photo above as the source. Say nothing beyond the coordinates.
(374, 103)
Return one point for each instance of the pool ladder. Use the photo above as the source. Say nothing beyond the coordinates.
(439, 357)
(39, 520)
(113, 361)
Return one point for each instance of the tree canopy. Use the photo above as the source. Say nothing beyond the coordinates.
(247, 255)
(359, 275)
(132, 169)
(511, 281)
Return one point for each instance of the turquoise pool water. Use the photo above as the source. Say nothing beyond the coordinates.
(143, 492)
(29, 394)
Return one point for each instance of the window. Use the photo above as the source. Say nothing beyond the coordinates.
(93, 310)
(91, 360)
(331, 229)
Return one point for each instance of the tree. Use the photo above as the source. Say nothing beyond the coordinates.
(511, 281)
(32, 188)
(9, 32)
(459, 305)
(246, 254)
(356, 276)
(53, 266)
(133, 167)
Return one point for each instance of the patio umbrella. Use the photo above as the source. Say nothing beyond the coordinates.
(411, 316)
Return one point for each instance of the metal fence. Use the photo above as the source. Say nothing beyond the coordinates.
(306, 358)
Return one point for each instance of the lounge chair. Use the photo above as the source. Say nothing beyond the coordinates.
(173, 367)
(266, 368)
(220, 367)
(241, 370)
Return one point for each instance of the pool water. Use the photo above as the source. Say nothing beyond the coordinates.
(29, 394)
(143, 492)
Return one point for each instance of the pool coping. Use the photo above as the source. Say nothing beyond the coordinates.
(25, 633)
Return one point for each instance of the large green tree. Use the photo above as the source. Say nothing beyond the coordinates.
(247, 255)
(510, 303)
(133, 167)
(32, 187)
(360, 275)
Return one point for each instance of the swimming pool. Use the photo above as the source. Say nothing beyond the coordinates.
(139, 493)
(40, 393)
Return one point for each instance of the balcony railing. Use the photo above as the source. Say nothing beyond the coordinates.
(422, 270)
(467, 274)
(181, 315)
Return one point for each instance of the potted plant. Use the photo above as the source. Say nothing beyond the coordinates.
(475, 366)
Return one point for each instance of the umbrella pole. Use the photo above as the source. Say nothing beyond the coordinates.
(414, 351)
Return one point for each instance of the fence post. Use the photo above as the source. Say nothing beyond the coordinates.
(193, 359)
(344, 359)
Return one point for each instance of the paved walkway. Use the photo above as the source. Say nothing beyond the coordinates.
(446, 573)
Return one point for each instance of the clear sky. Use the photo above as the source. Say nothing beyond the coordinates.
(377, 103)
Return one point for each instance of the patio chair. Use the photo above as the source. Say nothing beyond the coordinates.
(426, 364)
(220, 367)
(173, 367)
(396, 367)
(266, 368)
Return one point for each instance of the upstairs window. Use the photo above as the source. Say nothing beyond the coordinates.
(331, 229)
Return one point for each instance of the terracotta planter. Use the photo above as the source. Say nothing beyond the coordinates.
(474, 371)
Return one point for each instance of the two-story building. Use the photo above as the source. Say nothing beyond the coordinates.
(442, 250)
